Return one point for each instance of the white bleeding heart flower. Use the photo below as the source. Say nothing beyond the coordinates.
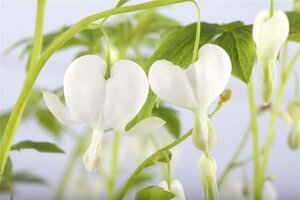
(208, 169)
(175, 187)
(194, 88)
(102, 104)
(235, 189)
(269, 34)
(293, 110)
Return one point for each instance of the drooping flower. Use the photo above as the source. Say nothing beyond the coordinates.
(208, 169)
(235, 189)
(102, 104)
(194, 88)
(269, 34)
(293, 110)
(175, 187)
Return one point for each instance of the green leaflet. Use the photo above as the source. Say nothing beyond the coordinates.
(170, 117)
(239, 45)
(294, 20)
(154, 193)
(38, 146)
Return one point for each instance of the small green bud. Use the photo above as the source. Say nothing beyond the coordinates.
(204, 134)
(294, 136)
(293, 110)
(208, 168)
(225, 96)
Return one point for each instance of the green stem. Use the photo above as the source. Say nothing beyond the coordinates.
(297, 89)
(271, 8)
(270, 134)
(107, 74)
(198, 32)
(146, 162)
(234, 157)
(114, 167)
(38, 35)
(18, 110)
(255, 143)
(80, 147)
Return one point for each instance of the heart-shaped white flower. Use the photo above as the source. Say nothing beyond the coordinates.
(175, 187)
(235, 189)
(194, 88)
(269, 34)
(103, 104)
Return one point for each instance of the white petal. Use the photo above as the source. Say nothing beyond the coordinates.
(91, 158)
(210, 74)
(269, 191)
(126, 93)
(232, 189)
(270, 33)
(145, 126)
(169, 82)
(163, 185)
(84, 88)
(56, 107)
(177, 189)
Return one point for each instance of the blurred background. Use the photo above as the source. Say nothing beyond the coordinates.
(17, 23)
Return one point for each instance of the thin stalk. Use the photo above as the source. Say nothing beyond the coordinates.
(198, 32)
(271, 8)
(18, 110)
(146, 162)
(234, 157)
(80, 147)
(108, 65)
(255, 142)
(114, 167)
(38, 35)
(270, 134)
(297, 88)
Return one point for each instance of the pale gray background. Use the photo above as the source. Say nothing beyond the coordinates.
(17, 22)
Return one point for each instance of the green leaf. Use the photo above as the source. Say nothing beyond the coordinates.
(239, 45)
(3, 121)
(294, 21)
(28, 178)
(164, 157)
(154, 193)
(38, 146)
(48, 121)
(169, 115)
(6, 179)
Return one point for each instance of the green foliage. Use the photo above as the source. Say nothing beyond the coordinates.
(154, 193)
(169, 115)
(38, 146)
(235, 38)
(3, 121)
(28, 178)
(142, 179)
(48, 121)
(6, 180)
(294, 20)
(238, 43)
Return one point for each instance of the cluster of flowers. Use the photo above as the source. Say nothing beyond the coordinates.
(111, 103)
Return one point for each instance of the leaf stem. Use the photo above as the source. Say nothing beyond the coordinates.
(234, 157)
(146, 162)
(38, 35)
(271, 8)
(198, 32)
(255, 142)
(64, 181)
(270, 134)
(114, 167)
(18, 110)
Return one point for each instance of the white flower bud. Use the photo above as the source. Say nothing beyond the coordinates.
(269, 34)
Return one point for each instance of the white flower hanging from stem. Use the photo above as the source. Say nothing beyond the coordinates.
(100, 103)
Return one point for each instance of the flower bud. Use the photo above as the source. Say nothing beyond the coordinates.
(225, 96)
(91, 157)
(204, 134)
(269, 33)
(294, 136)
(208, 168)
